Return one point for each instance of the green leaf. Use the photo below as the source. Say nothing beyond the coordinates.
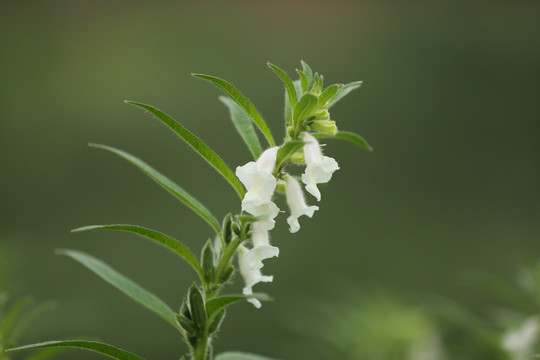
(243, 125)
(288, 109)
(215, 324)
(168, 185)
(316, 84)
(207, 261)
(285, 151)
(186, 324)
(308, 72)
(197, 144)
(226, 228)
(196, 305)
(166, 241)
(327, 95)
(127, 286)
(303, 81)
(342, 91)
(218, 303)
(235, 355)
(243, 102)
(346, 135)
(101, 348)
(293, 97)
(304, 107)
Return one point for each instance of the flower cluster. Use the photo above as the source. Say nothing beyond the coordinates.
(260, 182)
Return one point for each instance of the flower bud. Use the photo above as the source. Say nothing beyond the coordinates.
(298, 158)
(325, 126)
(321, 115)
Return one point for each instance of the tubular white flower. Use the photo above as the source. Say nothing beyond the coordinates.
(319, 168)
(297, 203)
(266, 209)
(251, 277)
(262, 249)
(257, 177)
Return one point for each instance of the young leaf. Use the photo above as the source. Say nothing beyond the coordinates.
(327, 95)
(207, 261)
(286, 151)
(196, 305)
(288, 109)
(218, 303)
(303, 82)
(308, 72)
(166, 241)
(346, 135)
(291, 91)
(168, 185)
(226, 228)
(186, 324)
(244, 126)
(235, 355)
(197, 144)
(127, 286)
(315, 87)
(101, 348)
(342, 91)
(243, 102)
(216, 322)
(304, 107)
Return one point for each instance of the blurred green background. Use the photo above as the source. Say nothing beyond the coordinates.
(450, 101)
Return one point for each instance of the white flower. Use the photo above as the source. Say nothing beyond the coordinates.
(262, 249)
(251, 277)
(257, 177)
(266, 209)
(520, 341)
(319, 167)
(297, 203)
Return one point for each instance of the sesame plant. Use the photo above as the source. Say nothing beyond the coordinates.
(240, 241)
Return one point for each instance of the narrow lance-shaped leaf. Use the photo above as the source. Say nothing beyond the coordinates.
(168, 185)
(243, 124)
(122, 283)
(197, 144)
(303, 82)
(342, 91)
(236, 355)
(346, 135)
(327, 95)
(286, 151)
(166, 241)
(304, 107)
(196, 306)
(288, 109)
(218, 303)
(306, 69)
(291, 91)
(98, 347)
(243, 102)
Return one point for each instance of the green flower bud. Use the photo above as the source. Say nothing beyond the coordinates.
(325, 126)
(298, 157)
(321, 115)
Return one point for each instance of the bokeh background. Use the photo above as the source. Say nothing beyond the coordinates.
(450, 102)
